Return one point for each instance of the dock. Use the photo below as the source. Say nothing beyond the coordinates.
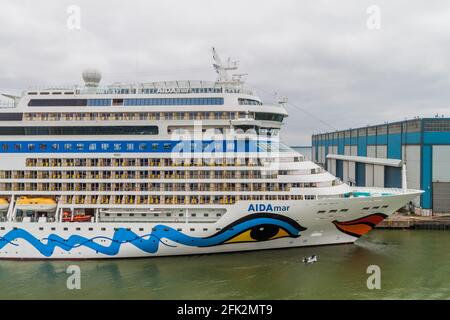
(402, 221)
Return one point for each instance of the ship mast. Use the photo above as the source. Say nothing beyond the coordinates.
(222, 69)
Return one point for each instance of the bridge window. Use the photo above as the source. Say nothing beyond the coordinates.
(243, 101)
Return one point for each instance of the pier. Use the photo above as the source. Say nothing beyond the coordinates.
(400, 221)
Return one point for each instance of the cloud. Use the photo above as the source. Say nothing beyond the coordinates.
(335, 71)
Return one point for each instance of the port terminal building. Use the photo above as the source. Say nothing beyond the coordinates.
(374, 156)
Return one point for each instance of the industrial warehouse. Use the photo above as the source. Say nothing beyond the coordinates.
(374, 156)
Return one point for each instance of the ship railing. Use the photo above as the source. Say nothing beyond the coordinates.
(381, 190)
(6, 104)
(140, 88)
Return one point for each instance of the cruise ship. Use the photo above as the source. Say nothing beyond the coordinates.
(166, 168)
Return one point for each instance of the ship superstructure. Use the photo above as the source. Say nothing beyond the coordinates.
(166, 168)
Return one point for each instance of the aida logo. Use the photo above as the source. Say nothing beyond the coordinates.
(266, 208)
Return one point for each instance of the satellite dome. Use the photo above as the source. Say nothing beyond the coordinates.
(92, 77)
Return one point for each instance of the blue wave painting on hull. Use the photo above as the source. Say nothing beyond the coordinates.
(150, 242)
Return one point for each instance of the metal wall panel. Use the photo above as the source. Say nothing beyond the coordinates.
(411, 157)
(381, 151)
(332, 166)
(347, 150)
(392, 177)
(360, 172)
(345, 171)
(369, 175)
(441, 163)
(378, 176)
(441, 197)
(351, 171)
(339, 169)
(371, 151)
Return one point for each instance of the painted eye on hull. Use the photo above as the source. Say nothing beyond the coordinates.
(262, 232)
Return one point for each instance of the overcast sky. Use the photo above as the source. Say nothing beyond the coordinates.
(336, 72)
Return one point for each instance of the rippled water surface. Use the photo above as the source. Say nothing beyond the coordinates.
(414, 264)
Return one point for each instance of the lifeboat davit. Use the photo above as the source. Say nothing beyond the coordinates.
(36, 203)
(4, 204)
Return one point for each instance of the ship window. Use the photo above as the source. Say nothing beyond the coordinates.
(17, 146)
(218, 215)
(205, 229)
(385, 206)
(192, 229)
(194, 215)
(103, 229)
(78, 229)
(269, 116)
(244, 101)
(40, 228)
(5, 147)
(180, 214)
(106, 130)
(333, 211)
(30, 146)
(144, 214)
(166, 146)
(321, 211)
(179, 229)
(99, 102)
(11, 116)
(141, 229)
(377, 207)
(344, 210)
(366, 208)
(155, 146)
(171, 101)
(42, 146)
(66, 229)
(57, 102)
(91, 229)
(53, 228)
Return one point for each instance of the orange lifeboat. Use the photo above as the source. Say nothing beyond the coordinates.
(67, 217)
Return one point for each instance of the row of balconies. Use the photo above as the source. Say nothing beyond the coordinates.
(130, 199)
(151, 162)
(140, 187)
(135, 175)
(120, 116)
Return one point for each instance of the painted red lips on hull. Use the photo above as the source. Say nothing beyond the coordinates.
(360, 226)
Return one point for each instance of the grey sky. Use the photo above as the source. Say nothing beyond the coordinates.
(320, 54)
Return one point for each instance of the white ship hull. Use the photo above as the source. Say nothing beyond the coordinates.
(166, 168)
(300, 225)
